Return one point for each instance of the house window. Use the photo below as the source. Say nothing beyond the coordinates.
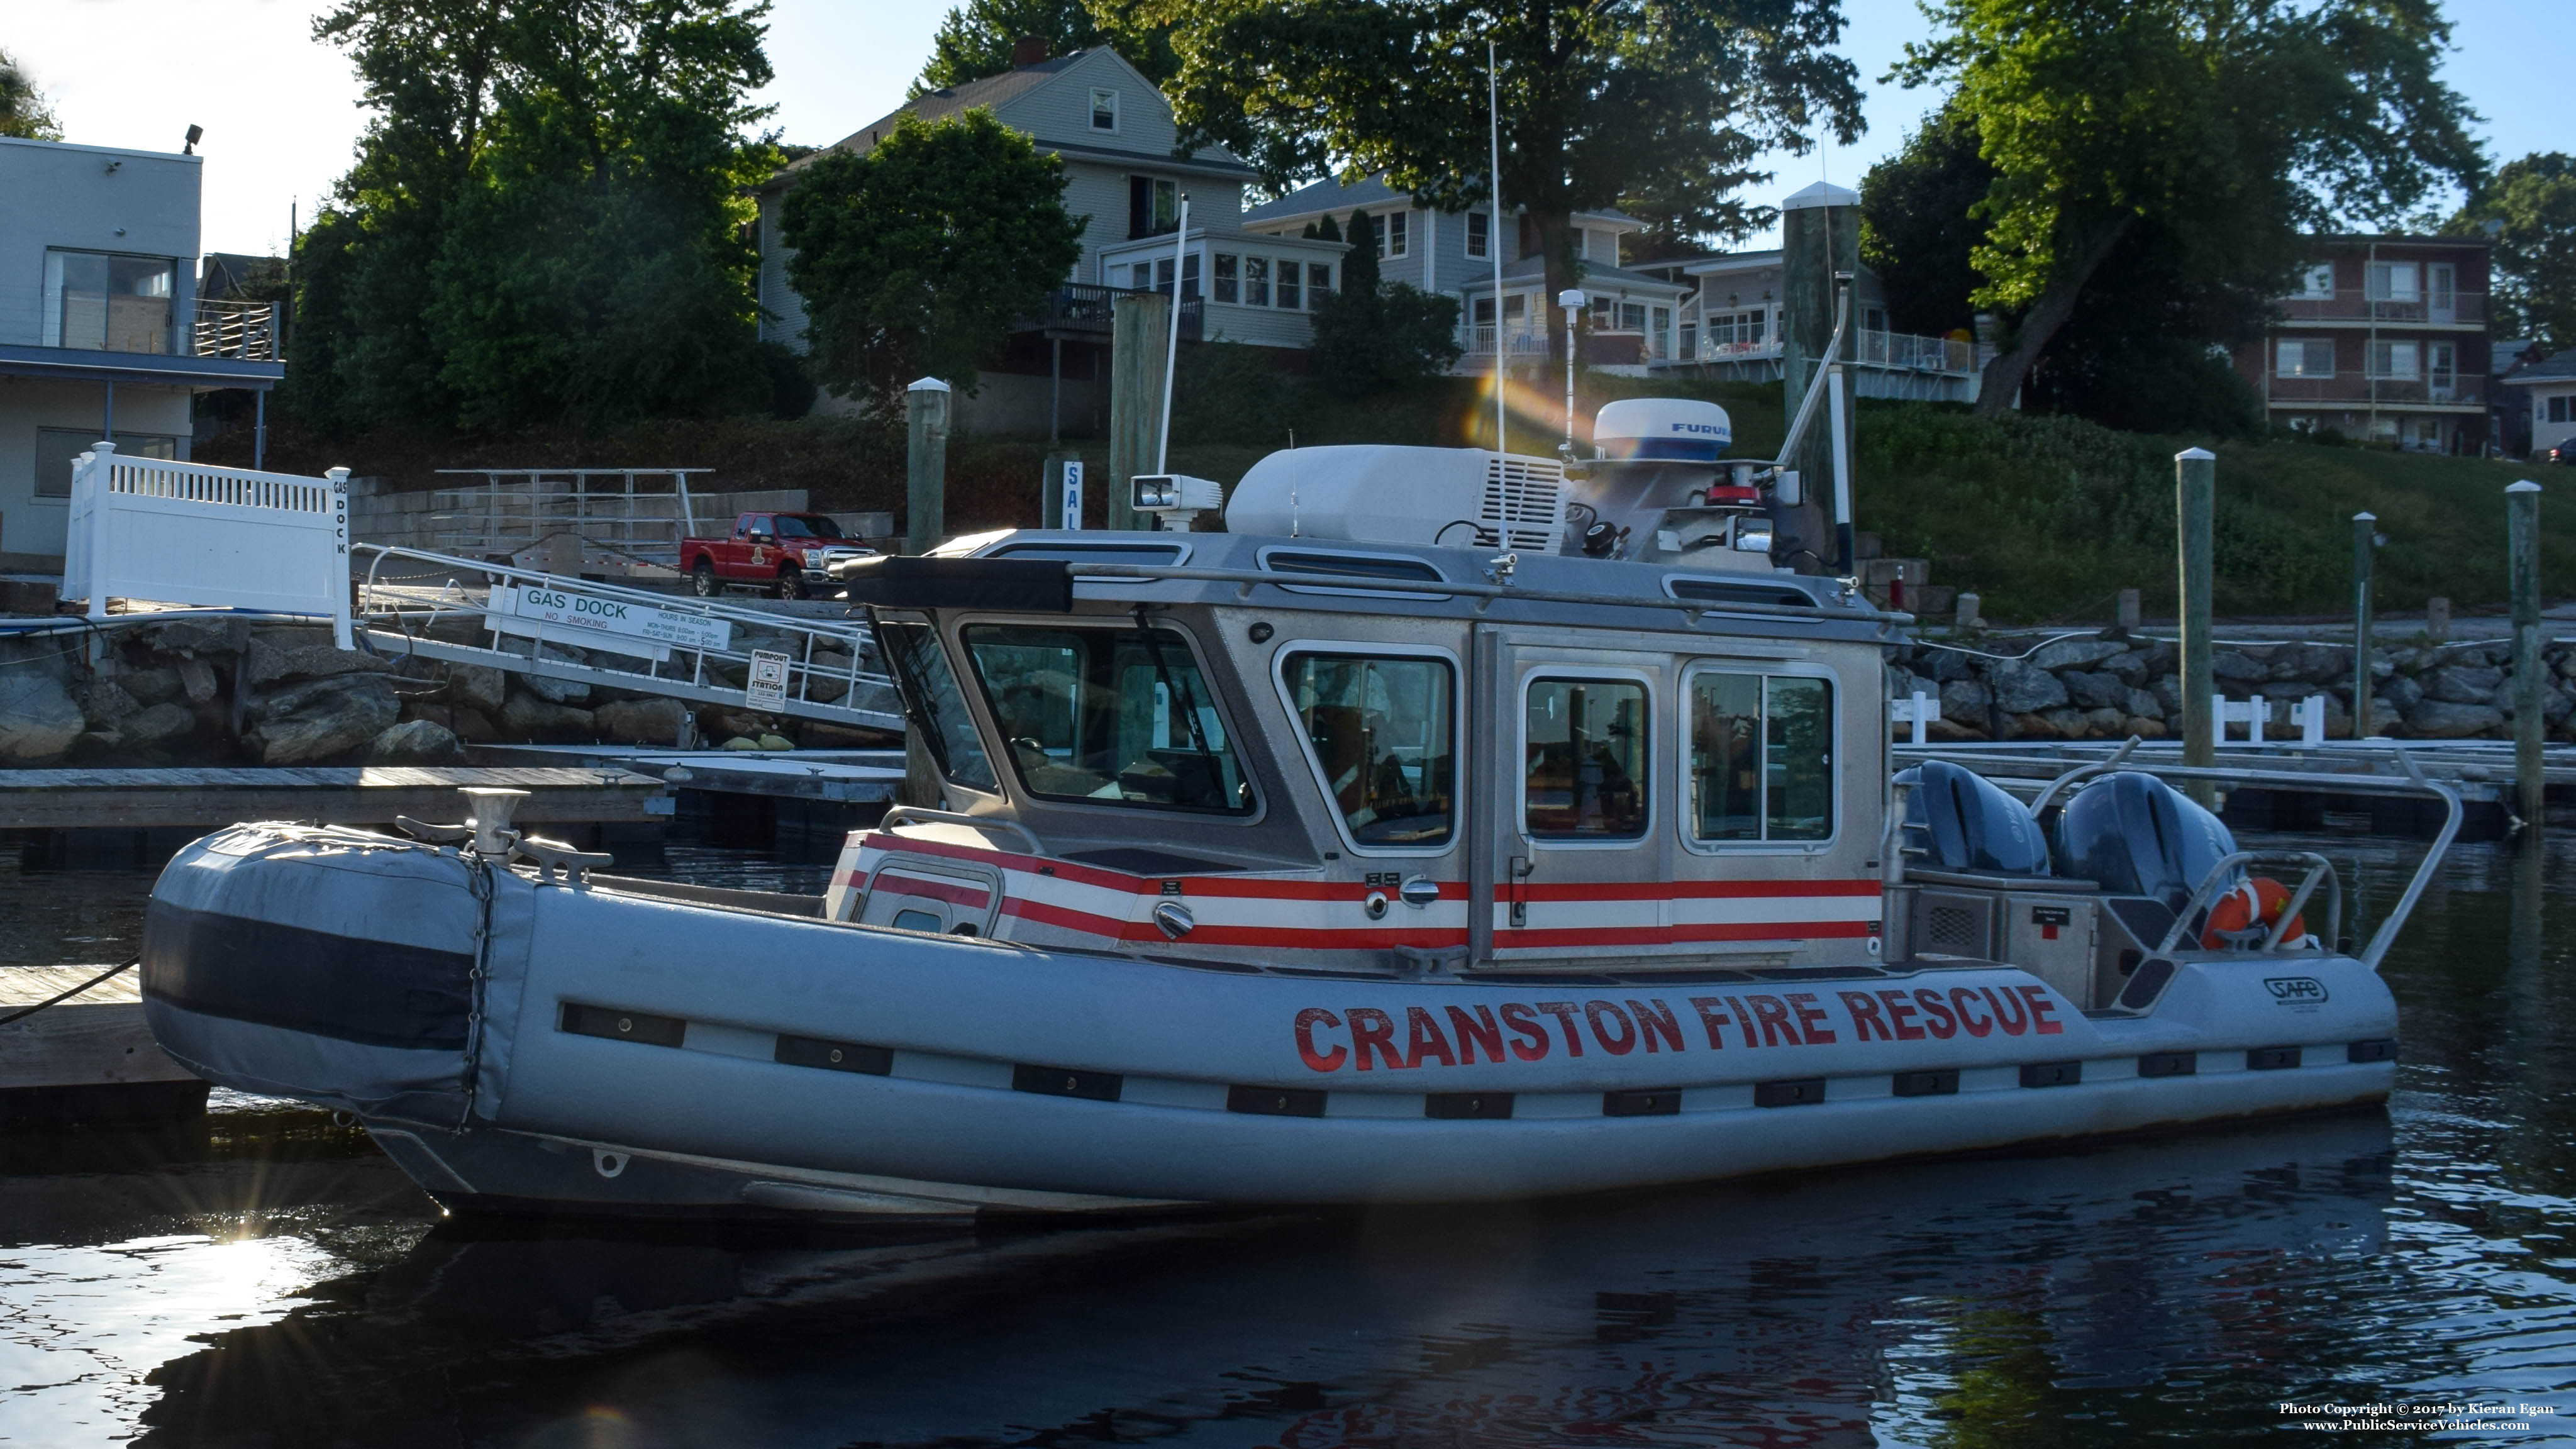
(1632, 316)
(1761, 757)
(1735, 329)
(1225, 277)
(2393, 282)
(1289, 293)
(1256, 281)
(1659, 332)
(1513, 308)
(1690, 341)
(1873, 319)
(2394, 360)
(2317, 281)
(2558, 408)
(1394, 234)
(2444, 292)
(58, 448)
(1104, 110)
(1319, 283)
(1153, 206)
(2442, 360)
(1480, 233)
(103, 302)
(2306, 357)
(1584, 754)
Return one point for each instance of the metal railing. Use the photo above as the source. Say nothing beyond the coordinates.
(2358, 390)
(1087, 308)
(2428, 309)
(691, 649)
(639, 513)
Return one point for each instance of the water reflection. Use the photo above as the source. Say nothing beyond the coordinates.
(266, 1279)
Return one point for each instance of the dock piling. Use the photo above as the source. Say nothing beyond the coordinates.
(2195, 489)
(2365, 541)
(2530, 674)
(925, 491)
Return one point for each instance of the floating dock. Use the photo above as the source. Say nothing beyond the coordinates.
(204, 799)
(86, 1060)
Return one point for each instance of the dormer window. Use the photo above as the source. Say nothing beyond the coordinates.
(1104, 110)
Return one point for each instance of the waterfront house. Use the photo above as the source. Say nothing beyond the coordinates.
(1125, 175)
(2383, 338)
(102, 331)
(2548, 390)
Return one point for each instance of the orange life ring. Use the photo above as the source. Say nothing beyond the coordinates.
(2244, 915)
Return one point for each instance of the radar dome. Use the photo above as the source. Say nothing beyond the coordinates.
(1662, 429)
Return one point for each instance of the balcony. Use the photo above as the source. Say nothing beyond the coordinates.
(2353, 390)
(2351, 309)
(243, 330)
(1083, 310)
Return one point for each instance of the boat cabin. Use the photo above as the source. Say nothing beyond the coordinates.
(1428, 710)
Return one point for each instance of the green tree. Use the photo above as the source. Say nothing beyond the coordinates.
(977, 38)
(914, 256)
(2529, 207)
(23, 112)
(1918, 229)
(1370, 335)
(1659, 104)
(547, 219)
(2234, 124)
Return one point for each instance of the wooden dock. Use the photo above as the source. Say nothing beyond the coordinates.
(86, 1060)
(204, 799)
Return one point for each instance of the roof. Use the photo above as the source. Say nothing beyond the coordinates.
(1823, 193)
(2394, 238)
(1533, 268)
(1316, 198)
(992, 91)
(2560, 366)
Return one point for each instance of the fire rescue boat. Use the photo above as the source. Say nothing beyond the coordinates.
(1450, 825)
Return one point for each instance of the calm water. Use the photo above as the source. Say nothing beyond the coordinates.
(266, 1279)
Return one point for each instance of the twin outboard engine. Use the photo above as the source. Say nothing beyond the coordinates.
(2130, 834)
(1963, 821)
(2135, 835)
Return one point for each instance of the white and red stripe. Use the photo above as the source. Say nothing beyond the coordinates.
(1317, 915)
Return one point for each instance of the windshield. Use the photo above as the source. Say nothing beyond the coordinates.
(807, 525)
(1118, 716)
(913, 652)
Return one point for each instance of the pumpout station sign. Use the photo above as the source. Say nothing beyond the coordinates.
(622, 625)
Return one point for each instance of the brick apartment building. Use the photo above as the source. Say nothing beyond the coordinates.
(2385, 339)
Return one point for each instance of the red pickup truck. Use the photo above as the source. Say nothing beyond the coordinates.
(789, 552)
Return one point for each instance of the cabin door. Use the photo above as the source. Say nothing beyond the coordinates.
(1573, 744)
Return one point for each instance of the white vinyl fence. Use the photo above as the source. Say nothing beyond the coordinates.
(192, 533)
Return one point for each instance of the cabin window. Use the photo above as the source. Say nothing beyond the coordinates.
(921, 667)
(1583, 757)
(1381, 732)
(1108, 716)
(1761, 757)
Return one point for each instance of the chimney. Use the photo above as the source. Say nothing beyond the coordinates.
(1027, 51)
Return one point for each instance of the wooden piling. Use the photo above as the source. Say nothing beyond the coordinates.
(2365, 543)
(2195, 490)
(925, 489)
(2530, 681)
(1139, 333)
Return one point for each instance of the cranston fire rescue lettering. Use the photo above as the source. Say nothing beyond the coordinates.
(1366, 1038)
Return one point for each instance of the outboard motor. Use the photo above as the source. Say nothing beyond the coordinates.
(2135, 835)
(1963, 821)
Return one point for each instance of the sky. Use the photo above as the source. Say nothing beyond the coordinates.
(281, 114)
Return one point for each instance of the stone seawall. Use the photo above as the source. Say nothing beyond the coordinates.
(2112, 686)
(225, 692)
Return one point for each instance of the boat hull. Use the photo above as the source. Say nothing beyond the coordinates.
(512, 1041)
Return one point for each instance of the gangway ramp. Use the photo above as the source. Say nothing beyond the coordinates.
(706, 651)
